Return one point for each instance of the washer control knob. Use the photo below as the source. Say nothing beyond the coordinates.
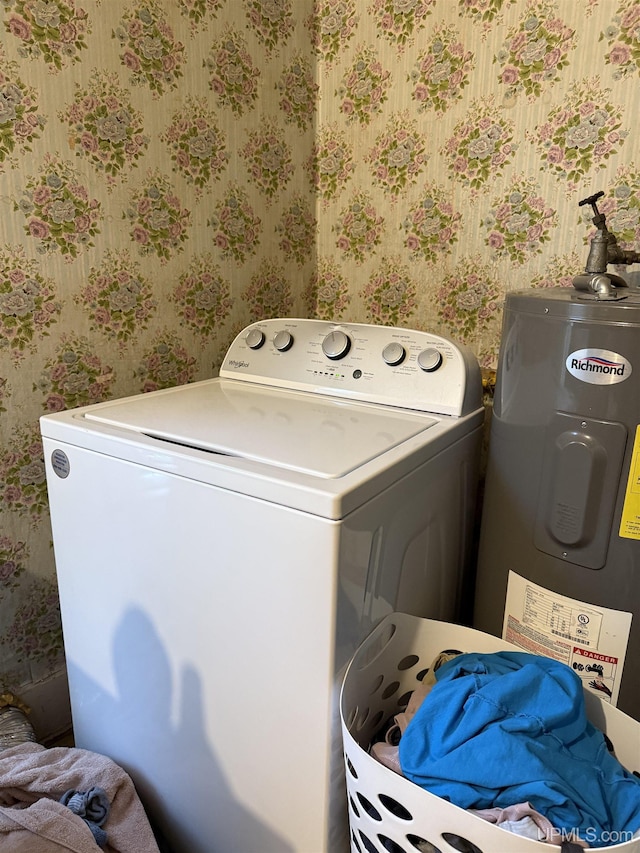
(336, 345)
(283, 341)
(430, 359)
(254, 339)
(394, 354)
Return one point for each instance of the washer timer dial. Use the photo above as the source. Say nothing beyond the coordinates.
(393, 354)
(254, 339)
(336, 345)
(283, 341)
(430, 359)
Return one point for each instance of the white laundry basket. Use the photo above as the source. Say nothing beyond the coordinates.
(390, 814)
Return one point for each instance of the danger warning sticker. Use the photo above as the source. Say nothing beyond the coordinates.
(591, 640)
(596, 671)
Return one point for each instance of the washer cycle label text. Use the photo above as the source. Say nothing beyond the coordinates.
(598, 366)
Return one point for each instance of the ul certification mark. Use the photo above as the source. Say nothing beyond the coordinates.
(60, 463)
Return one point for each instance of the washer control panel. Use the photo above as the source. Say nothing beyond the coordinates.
(376, 364)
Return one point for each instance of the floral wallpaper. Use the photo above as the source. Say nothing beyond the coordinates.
(171, 170)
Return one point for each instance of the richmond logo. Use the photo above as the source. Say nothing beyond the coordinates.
(598, 366)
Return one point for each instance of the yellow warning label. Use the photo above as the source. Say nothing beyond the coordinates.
(630, 522)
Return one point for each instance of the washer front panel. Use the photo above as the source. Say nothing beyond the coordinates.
(378, 364)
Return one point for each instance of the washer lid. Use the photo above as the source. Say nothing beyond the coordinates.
(298, 431)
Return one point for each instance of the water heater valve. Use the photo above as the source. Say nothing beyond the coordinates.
(604, 251)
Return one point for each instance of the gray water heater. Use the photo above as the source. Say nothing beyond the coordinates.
(559, 555)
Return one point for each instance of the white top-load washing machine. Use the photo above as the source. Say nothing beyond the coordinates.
(223, 547)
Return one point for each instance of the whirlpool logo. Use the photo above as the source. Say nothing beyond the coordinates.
(598, 366)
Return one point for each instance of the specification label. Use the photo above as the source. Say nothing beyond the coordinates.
(592, 640)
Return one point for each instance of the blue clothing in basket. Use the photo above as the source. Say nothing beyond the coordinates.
(510, 727)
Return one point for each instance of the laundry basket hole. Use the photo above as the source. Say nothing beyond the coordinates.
(422, 845)
(460, 844)
(362, 718)
(371, 651)
(370, 809)
(367, 844)
(375, 684)
(395, 807)
(408, 661)
(420, 675)
(390, 845)
(351, 769)
(390, 689)
(355, 842)
(403, 701)
(377, 718)
(351, 718)
(354, 807)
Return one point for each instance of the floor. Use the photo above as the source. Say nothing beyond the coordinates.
(65, 739)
